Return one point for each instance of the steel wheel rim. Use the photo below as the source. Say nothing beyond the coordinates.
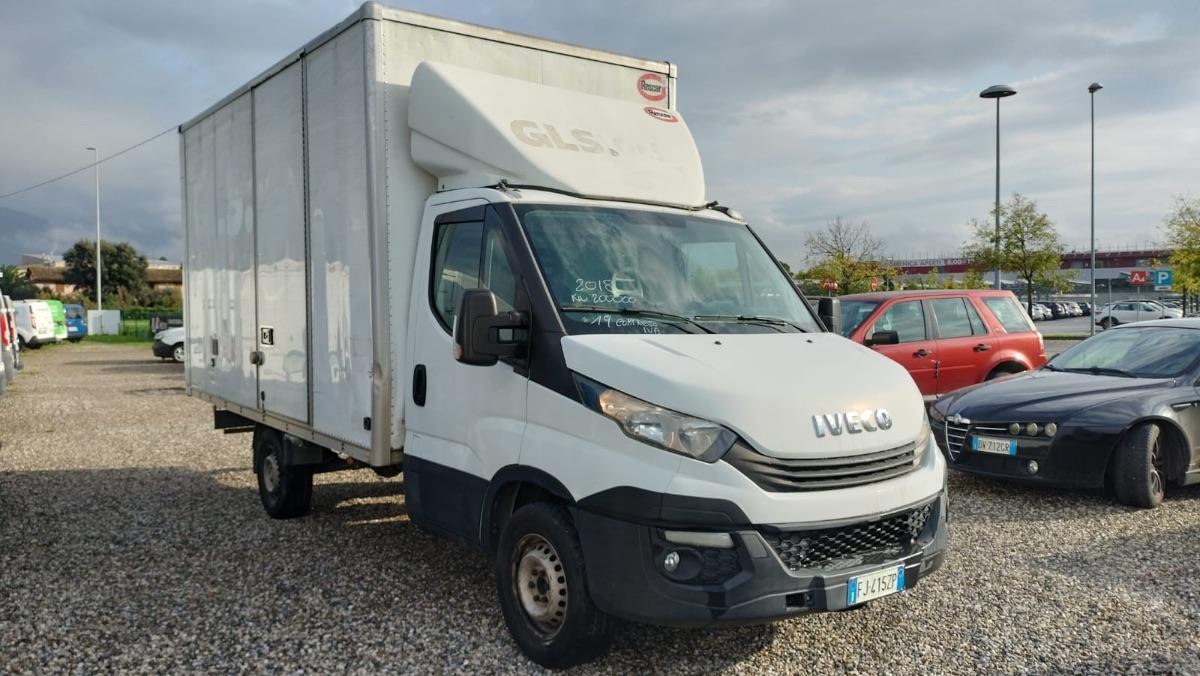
(540, 585)
(270, 473)
(1156, 467)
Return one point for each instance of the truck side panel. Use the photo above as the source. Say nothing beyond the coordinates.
(280, 244)
(340, 263)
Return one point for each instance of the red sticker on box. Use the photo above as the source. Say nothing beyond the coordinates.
(660, 114)
(652, 86)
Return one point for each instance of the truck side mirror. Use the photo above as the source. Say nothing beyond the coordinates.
(482, 333)
(882, 338)
(830, 312)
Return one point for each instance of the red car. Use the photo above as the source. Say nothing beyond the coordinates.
(947, 339)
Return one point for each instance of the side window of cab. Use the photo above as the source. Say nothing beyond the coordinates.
(471, 254)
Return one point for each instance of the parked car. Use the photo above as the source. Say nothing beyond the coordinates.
(1086, 307)
(59, 313)
(1074, 309)
(169, 344)
(946, 339)
(1114, 410)
(6, 307)
(1124, 312)
(35, 323)
(76, 323)
(1039, 312)
(1057, 310)
(8, 370)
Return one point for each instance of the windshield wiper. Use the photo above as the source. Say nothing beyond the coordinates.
(628, 311)
(774, 321)
(1102, 371)
(1051, 367)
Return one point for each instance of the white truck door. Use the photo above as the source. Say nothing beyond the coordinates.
(462, 422)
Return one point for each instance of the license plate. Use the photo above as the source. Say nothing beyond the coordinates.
(873, 585)
(993, 445)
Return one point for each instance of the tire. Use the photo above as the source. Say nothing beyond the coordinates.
(1108, 322)
(1139, 467)
(539, 550)
(285, 490)
(178, 354)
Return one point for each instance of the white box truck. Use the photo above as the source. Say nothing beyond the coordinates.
(488, 260)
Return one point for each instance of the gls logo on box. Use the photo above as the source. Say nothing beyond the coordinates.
(546, 136)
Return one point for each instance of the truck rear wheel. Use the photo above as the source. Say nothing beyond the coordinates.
(543, 591)
(285, 490)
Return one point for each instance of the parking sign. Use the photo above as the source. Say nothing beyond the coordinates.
(1162, 280)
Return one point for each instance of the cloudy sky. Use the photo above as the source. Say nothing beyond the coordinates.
(803, 111)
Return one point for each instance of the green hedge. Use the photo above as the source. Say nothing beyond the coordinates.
(148, 312)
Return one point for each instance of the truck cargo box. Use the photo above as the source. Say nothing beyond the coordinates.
(302, 205)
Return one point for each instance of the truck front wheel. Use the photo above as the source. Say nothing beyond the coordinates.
(285, 490)
(543, 589)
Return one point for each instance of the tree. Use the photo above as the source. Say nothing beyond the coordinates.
(14, 283)
(848, 254)
(1029, 245)
(972, 280)
(124, 272)
(1183, 236)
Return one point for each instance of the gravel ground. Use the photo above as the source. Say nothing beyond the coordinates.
(132, 540)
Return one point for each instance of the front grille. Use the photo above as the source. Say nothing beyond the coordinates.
(718, 565)
(873, 542)
(956, 435)
(814, 474)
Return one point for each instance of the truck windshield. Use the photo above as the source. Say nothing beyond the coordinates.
(633, 271)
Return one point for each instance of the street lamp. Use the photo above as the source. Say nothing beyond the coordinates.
(997, 92)
(99, 296)
(1092, 89)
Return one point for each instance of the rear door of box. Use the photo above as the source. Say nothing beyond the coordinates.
(220, 258)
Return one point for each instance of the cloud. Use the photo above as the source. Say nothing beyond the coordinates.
(803, 111)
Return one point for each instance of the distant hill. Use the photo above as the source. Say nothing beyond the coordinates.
(22, 233)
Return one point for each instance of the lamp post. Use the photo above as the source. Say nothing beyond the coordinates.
(99, 296)
(1092, 89)
(997, 92)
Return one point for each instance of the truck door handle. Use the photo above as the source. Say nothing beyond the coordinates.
(921, 353)
(982, 347)
(418, 385)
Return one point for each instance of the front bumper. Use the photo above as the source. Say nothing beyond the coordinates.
(1072, 459)
(162, 350)
(747, 584)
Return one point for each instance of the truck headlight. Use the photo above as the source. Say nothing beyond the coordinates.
(657, 426)
(922, 442)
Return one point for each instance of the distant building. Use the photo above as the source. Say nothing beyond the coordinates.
(43, 259)
(1113, 265)
(53, 278)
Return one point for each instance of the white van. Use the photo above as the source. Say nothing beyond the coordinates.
(489, 261)
(35, 323)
